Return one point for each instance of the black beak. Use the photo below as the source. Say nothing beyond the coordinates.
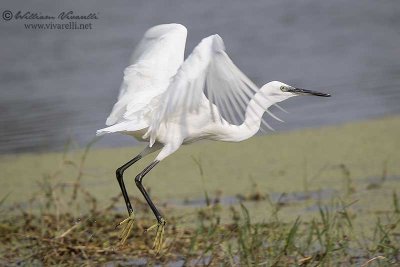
(300, 91)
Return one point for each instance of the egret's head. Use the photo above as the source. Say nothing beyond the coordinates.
(282, 91)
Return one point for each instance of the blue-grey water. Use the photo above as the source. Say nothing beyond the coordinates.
(60, 84)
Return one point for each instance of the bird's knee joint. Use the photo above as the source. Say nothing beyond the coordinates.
(138, 179)
(119, 173)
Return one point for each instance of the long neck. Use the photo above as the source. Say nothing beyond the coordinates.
(253, 118)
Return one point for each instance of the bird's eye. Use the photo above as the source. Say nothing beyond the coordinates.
(283, 88)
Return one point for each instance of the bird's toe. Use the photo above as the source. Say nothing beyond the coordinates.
(159, 239)
(126, 230)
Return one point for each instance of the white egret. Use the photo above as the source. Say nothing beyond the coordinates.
(169, 102)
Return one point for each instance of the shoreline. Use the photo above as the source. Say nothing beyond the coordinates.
(309, 159)
(136, 144)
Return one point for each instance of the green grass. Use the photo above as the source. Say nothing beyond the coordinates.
(324, 197)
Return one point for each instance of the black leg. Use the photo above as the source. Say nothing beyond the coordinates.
(120, 177)
(138, 181)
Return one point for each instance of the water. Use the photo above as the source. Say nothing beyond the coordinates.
(59, 84)
(274, 197)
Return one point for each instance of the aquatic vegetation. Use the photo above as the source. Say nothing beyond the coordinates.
(336, 211)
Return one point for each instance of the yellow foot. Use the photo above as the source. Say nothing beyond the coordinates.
(124, 234)
(158, 241)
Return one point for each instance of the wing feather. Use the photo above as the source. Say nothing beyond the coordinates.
(154, 61)
(207, 71)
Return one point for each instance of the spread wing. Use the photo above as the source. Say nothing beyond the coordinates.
(207, 71)
(155, 60)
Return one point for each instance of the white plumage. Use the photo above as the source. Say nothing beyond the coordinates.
(169, 102)
(165, 100)
(155, 60)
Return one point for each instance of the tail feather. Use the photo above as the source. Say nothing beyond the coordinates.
(126, 126)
